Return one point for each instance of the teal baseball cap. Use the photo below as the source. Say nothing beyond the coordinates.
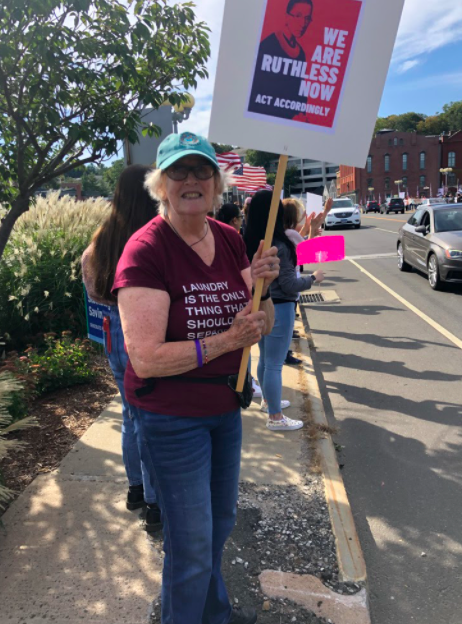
(176, 146)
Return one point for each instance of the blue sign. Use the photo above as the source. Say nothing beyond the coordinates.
(95, 314)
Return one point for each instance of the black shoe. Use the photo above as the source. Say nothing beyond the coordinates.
(290, 359)
(135, 497)
(243, 615)
(152, 521)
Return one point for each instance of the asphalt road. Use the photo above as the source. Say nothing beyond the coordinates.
(390, 370)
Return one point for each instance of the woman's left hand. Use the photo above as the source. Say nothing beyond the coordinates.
(265, 264)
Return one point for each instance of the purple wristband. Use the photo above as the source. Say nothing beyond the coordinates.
(199, 353)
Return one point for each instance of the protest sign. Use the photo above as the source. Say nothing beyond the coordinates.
(95, 313)
(321, 249)
(314, 203)
(296, 81)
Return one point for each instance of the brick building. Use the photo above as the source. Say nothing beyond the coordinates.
(451, 158)
(412, 158)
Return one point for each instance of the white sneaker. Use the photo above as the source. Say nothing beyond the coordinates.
(264, 405)
(285, 424)
(256, 389)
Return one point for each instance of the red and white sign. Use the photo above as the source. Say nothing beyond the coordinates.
(303, 77)
(302, 60)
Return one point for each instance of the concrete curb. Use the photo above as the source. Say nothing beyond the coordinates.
(351, 562)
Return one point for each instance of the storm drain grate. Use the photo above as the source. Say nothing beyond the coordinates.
(323, 296)
(316, 298)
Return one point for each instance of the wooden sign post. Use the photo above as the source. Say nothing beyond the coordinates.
(278, 186)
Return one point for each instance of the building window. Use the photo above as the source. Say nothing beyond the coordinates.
(395, 142)
(423, 181)
(401, 141)
(308, 172)
(405, 159)
(331, 170)
(404, 185)
(369, 164)
(390, 142)
(423, 158)
(452, 181)
(370, 182)
(387, 184)
(387, 162)
(451, 159)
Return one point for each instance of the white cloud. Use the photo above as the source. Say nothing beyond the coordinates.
(426, 26)
(211, 12)
(407, 65)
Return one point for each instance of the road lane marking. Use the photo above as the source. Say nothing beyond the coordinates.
(372, 256)
(439, 328)
(382, 230)
(385, 219)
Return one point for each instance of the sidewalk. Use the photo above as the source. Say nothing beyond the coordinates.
(71, 552)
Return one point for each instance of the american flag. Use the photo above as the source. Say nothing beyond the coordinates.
(248, 178)
(229, 161)
(267, 187)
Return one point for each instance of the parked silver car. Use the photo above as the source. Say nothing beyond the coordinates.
(431, 241)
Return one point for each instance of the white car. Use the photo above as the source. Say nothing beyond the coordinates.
(432, 201)
(343, 212)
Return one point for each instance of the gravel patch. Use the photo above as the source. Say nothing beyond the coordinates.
(278, 528)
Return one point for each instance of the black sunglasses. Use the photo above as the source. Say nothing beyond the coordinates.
(181, 172)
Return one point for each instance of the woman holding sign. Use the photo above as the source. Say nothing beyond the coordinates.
(284, 293)
(183, 285)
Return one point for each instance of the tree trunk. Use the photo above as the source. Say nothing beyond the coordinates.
(18, 207)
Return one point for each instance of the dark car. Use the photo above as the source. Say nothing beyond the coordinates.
(431, 241)
(392, 205)
(372, 206)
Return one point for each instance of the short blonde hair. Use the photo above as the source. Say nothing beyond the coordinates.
(155, 185)
(293, 212)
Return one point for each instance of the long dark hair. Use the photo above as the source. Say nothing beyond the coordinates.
(132, 208)
(227, 213)
(257, 220)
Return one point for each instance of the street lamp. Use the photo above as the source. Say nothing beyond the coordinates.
(182, 111)
(426, 189)
(398, 182)
(446, 171)
(371, 190)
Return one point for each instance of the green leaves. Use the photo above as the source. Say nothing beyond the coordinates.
(72, 72)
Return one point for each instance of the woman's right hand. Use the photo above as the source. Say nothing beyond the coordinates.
(319, 276)
(246, 329)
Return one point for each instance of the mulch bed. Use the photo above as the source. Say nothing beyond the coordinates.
(63, 417)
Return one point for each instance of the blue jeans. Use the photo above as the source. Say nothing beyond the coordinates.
(273, 352)
(194, 464)
(118, 358)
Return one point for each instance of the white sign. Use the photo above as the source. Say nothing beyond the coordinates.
(314, 203)
(295, 80)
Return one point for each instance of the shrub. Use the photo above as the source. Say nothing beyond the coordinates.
(9, 387)
(40, 276)
(64, 362)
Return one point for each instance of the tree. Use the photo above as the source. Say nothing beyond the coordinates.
(74, 76)
(292, 179)
(407, 122)
(112, 174)
(452, 116)
(260, 159)
(221, 148)
(431, 125)
(94, 185)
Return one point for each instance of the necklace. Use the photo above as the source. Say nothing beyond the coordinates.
(179, 235)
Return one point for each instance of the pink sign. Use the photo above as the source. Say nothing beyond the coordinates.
(321, 249)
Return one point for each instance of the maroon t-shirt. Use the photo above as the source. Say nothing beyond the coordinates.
(203, 302)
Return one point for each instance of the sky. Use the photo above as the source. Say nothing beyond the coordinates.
(425, 72)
